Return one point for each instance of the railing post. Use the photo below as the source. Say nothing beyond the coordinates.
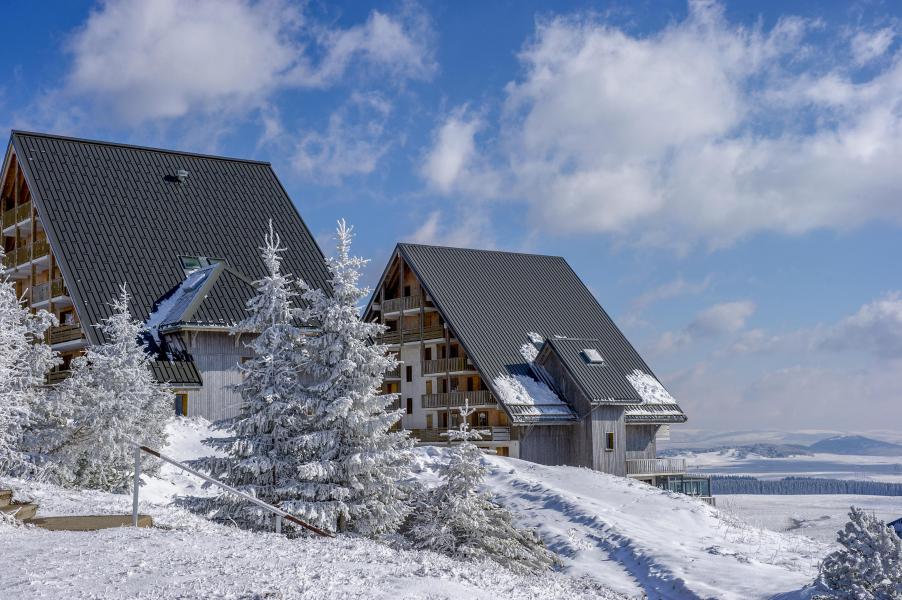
(137, 486)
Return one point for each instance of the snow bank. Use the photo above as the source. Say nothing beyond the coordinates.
(649, 389)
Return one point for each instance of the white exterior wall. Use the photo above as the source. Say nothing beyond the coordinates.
(410, 356)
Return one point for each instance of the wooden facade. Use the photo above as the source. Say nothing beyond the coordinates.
(30, 262)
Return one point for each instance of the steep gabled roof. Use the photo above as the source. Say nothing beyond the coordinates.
(116, 213)
(494, 300)
(605, 382)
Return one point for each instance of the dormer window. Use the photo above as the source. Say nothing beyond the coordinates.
(593, 356)
(191, 264)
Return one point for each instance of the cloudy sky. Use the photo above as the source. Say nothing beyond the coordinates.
(726, 177)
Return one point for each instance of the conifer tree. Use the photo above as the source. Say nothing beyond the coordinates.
(263, 447)
(113, 399)
(868, 566)
(356, 466)
(24, 362)
(458, 520)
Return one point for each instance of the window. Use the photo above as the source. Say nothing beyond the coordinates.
(427, 354)
(593, 356)
(428, 421)
(428, 386)
(609, 441)
(409, 373)
(406, 291)
(410, 406)
(190, 263)
(471, 384)
(181, 404)
(482, 419)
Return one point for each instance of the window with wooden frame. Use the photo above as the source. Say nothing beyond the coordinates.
(408, 371)
(410, 406)
(609, 441)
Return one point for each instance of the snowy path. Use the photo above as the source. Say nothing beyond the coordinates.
(635, 538)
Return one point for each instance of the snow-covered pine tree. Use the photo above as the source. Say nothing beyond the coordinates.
(357, 466)
(113, 398)
(265, 443)
(868, 566)
(456, 519)
(24, 362)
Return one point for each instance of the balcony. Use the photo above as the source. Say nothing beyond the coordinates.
(434, 436)
(65, 333)
(393, 373)
(447, 365)
(455, 399)
(404, 303)
(17, 215)
(26, 254)
(655, 466)
(44, 292)
(433, 332)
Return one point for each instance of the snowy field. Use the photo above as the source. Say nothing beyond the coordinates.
(818, 517)
(612, 533)
(832, 466)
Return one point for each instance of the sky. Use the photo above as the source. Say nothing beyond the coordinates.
(725, 177)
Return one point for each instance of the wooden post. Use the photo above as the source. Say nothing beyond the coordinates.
(137, 486)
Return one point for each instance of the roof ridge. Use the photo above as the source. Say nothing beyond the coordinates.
(488, 251)
(19, 132)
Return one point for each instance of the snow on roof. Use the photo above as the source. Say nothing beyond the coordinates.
(528, 399)
(171, 307)
(649, 389)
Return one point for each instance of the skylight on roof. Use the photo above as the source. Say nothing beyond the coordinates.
(593, 356)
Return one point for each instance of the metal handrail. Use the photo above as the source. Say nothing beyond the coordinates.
(280, 514)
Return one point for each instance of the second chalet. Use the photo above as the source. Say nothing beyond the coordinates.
(522, 339)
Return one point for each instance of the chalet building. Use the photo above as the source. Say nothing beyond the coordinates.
(182, 231)
(523, 340)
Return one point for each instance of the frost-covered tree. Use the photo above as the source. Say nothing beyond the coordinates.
(355, 465)
(456, 519)
(868, 566)
(24, 362)
(264, 445)
(112, 398)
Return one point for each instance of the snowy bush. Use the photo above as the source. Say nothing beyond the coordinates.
(24, 362)
(262, 451)
(355, 464)
(110, 398)
(868, 566)
(458, 520)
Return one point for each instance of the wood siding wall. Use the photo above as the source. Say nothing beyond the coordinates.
(640, 441)
(216, 356)
(546, 445)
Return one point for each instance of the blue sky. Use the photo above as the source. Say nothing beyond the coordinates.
(724, 176)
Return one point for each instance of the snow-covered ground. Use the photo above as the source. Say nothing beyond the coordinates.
(816, 516)
(612, 533)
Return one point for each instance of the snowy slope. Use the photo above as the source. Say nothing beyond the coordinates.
(612, 533)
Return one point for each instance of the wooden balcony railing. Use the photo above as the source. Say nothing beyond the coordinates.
(433, 332)
(655, 466)
(54, 377)
(25, 254)
(45, 291)
(65, 333)
(393, 374)
(445, 365)
(393, 305)
(454, 399)
(489, 434)
(39, 249)
(16, 215)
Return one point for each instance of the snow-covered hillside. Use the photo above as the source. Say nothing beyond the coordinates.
(612, 533)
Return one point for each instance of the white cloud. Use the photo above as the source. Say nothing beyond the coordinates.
(876, 328)
(665, 291)
(702, 132)
(869, 45)
(452, 151)
(146, 61)
(722, 319)
(467, 227)
(352, 144)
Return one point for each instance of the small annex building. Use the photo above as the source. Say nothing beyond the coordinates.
(182, 231)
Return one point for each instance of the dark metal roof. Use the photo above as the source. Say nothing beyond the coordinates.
(114, 215)
(176, 372)
(605, 382)
(212, 296)
(493, 300)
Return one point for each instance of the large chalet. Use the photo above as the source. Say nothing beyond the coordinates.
(182, 231)
(522, 339)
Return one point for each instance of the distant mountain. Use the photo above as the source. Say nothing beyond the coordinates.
(856, 444)
(766, 450)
